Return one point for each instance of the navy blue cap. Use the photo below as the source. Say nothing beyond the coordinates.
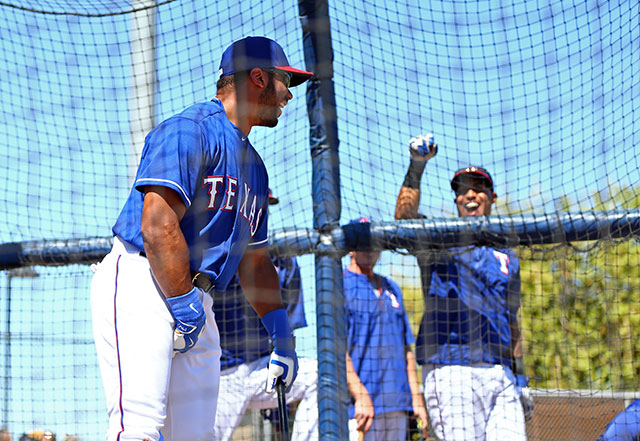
(357, 234)
(479, 171)
(243, 55)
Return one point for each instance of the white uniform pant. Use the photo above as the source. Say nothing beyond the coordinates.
(388, 426)
(148, 391)
(242, 388)
(473, 403)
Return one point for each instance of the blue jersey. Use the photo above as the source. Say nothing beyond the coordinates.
(378, 333)
(472, 295)
(242, 336)
(221, 179)
(625, 426)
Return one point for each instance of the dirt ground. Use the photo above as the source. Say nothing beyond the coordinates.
(556, 418)
(571, 418)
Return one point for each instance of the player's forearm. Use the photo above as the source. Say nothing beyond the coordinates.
(169, 260)
(409, 195)
(516, 340)
(263, 299)
(259, 281)
(165, 246)
(517, 349)
(412, 373)
(407, 203)
(355, 386)
(517, 362)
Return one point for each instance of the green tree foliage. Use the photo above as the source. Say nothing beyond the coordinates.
(580, 312)
(580, 315)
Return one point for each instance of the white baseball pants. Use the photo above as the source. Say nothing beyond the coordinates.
(147, 390)
(242, 388)
(473, 403)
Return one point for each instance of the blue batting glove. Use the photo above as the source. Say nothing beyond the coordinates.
(522, 381)
(188, 313)
(423, 147)
(283, 362)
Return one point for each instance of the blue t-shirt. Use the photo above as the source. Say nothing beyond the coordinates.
(243, 338)
(625, 426)
(472, 295)
(378, 332)
(221, 179)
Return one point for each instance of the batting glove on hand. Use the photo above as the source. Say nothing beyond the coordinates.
(188, 313)
(522, 382)
(527, 403)
(283, 362)
(423, 147)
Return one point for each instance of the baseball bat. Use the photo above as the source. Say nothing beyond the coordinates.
(282, 411)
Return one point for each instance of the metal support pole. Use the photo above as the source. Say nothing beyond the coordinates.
(332, 381)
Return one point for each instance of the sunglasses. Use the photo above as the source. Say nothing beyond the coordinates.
(462, 189)
(283, 76)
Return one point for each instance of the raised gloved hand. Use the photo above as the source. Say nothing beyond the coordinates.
(423, 147)
(283, 362)
(188, 313)
(522, 382)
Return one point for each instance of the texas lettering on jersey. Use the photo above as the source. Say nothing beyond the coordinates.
(223, 196)
(504, 260)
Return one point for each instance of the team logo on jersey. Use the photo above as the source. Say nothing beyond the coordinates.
(394, 300)
(504, 261)
(226, 199)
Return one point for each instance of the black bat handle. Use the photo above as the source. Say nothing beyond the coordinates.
(282, 411)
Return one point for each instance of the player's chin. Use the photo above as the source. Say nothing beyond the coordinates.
(463, 212)
(269, 122)
(270, 119)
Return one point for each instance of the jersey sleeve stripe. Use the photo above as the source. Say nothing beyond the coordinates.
(258, 244)
(164, 182)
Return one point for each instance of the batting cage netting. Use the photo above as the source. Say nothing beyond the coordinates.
(544, 96)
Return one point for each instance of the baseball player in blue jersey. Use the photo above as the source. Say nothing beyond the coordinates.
(469, 340)
(381, 368)
(196, 214)
(625, 426)
(245, 355)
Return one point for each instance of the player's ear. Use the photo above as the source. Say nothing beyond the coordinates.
(258, 77)
(494, 196)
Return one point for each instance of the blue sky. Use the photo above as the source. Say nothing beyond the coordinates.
(544, 95)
